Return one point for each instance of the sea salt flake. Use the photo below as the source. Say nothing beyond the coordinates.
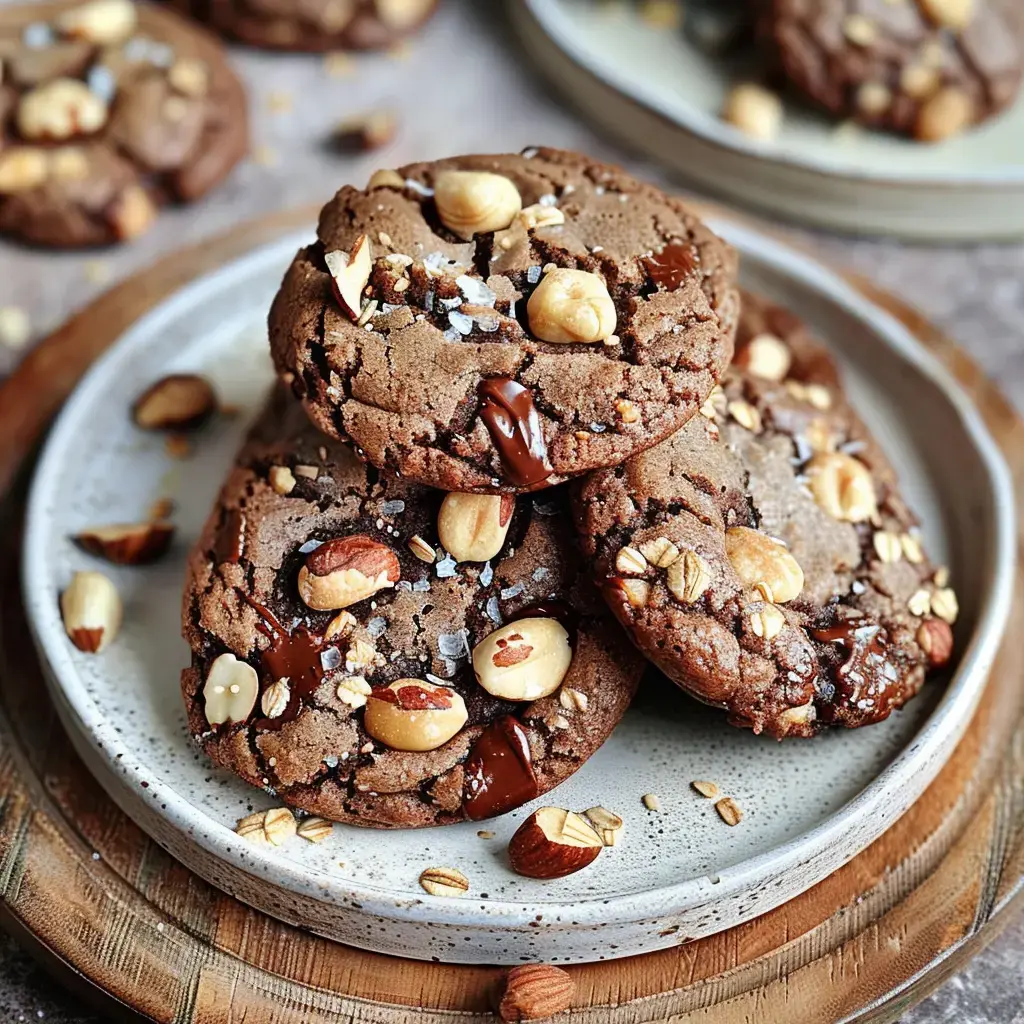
(420, 586)
(492, 610)
(101, 82)
(486, 575)
(436, 680)
(38, 35)
(533, 274)
(331, 760)
(451, 303)
(393, 507)
(476, 292)
(453, 645)
(330, 659)
(446, 568)
(548, 199)
(541, 573)
(416, 186)
(462, 323)
(376, 626)
(510, 592)
(310, 545)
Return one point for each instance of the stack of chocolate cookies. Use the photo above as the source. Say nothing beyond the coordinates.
(512, 462)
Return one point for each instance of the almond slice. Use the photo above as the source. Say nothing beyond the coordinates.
(127, 543)
(349, 274)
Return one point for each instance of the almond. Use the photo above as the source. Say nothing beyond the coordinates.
(536, 991)
(346, 570)
(935, 638)
(127, 544)
(92, 611)
(553, 843)
(179, 401)
(350, 273)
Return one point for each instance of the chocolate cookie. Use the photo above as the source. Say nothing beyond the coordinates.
(763, 558)
(313, 25)
(109, 110)
(503, 323)
(925, 68)
(346, 660)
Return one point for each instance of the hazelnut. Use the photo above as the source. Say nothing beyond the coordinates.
(842, 486)
(536, 992)
(353, 691)
(759, 559)
(103, 22)
(473, 527)
(350, 272)
(523, 660)
(475, 202)
(947, 113)
(887, 546)
(134, 544)
(421, 549)
(275, 826)
(346, 570)
(413, 715)
(935, 638)
(768, 622)
(230, 690)
(951, 14)
(60, 110)
(22, 168)
(571, 306)
(276, 696)
(553, 843)
(176, 402)
(765, 356)
(92, 611)
(688, 577)
(754, 110)
(607, 824)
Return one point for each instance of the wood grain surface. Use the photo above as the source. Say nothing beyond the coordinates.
(122, 919)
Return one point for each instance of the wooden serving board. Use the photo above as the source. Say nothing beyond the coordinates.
(83, 886)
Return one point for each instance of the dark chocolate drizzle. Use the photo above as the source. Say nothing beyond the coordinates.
(669, 268)
(512, 420)
(499, 771)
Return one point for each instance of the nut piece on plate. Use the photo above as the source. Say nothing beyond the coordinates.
(314, 830)
(523, 660)
(346, 570)
(754, 110)
(401, 15)
(274, 827)
(444, 882)
(104, 22)
(230, 690)
(92, 611)
(758, 559)
(765, 356)
(842, 486)
(571, 306)
(350, 273)
(413, 715)
(475, 202)
(607, 824)
(473, 527)
(368, 131)
(179, 401)
(553, 843)
(60, 110)
(128, 543)
(535, 992)
(935, 638)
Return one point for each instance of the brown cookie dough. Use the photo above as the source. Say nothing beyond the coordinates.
(524, 319)
(763, 558)
(925, 68)
(109, 110)
(313, 717)
(313, 25)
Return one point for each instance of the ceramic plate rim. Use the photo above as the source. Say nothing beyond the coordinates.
(556, 24)
(937, 736)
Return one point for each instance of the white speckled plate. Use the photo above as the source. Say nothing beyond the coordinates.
(680, 872)
(662, 95)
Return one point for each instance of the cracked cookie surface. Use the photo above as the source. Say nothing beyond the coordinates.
(306, 738)
(109, 110)
(763, 557)
(925, 68)
(443, 378)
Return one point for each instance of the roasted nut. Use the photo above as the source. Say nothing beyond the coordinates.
(765, 356)
(22, 168)
(281, 479)
(104, 22)
(627, 411)
(660, 552)
(919, 81)
(540, 216)
(230, 691)
(920, 603)
(759, 559)
(360, 655)
(400, 15)
(475, 202)
(131, 214)
(607, 824)
(190, 77)
(340, 624)
(346, 570)
(729, 811)
(473, 527)
(421, 549)
(859, 30)
(127, 544)
(350, 272)
(708, 790)
(276, 696)
(444, 882)
(60, 110)
(951, 14)
(754, 110)
(353, 691)
(385, 178)
(745, 415)
(180, 401)
(911, 548)
(842, 486)
(367, 132)
(768, 622)
(887, 546)
(947, 113)
(523, 660)
(307, 472)
(571, 306)
(535, 992)
(413, 715)
(873, 99)
(688, 577)
(68, 163)
(935, 638)
(92, 611)
(636, 592)
(945, 605)
(573, 700)
(314, 830)
(629, 560)
(552, 843)
(651, 802)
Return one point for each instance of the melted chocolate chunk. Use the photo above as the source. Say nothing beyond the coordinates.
(231, 539)
(669, 268)
(511, 418)
(866, 676)
(499, 771)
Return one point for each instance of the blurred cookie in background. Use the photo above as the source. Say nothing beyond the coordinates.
(110, 110)
(312, 25)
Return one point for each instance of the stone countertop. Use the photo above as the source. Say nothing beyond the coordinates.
(462, 87)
